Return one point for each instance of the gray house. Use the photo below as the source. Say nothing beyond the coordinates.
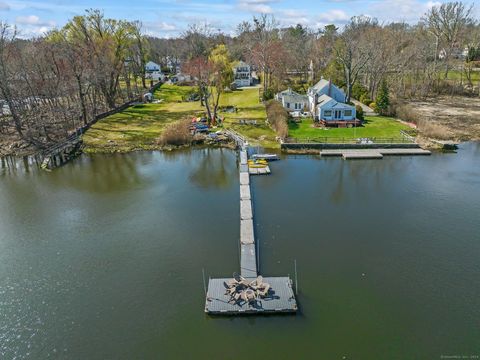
(327, 104)
(291, 100)
(242, 73)
(331, 112)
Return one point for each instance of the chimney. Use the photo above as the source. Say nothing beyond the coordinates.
(330, 87)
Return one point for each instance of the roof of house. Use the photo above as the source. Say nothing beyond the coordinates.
(291, 96)
(294, 97)
(152, 64)
(325, 100)
(322, 84)
(240, 64)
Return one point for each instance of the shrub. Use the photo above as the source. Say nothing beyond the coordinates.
(365, 98)
(268, 94)
(373, 106)
(359, 110)
(358, 90)
(430, 129)
(278, 118)
(407, 113)
(177, 133)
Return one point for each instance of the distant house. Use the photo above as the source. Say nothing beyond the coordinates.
(242, 74)
(327, 104)
(152, 67)
(456, 53)
(156, 76)
(173, 65)
(291, 100)
(4, 108)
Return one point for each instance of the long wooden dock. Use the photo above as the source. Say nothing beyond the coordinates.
(280, 297)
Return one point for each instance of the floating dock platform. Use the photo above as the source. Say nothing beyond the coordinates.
(349, 154)
(280, 300)
(259, 171)
(280, 297)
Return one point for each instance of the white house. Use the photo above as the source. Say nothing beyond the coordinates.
(324, 87)
(291, 100)
(456, 53)
(330, 112)
(327, 104)
(155, 76)
(4, 108)
(152, 67)
(242, 73)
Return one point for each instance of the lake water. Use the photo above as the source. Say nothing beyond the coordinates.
(103, 258)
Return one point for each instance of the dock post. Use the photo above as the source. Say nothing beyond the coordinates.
(296, 280)
(204, 285)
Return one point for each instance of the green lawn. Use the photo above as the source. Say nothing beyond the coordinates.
(139, 127)
(249, 108)
(459, 75)
(374, 127)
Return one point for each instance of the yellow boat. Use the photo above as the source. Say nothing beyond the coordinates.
(257, 166)
(263, 162)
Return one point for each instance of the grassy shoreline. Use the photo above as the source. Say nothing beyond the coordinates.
(140, 126)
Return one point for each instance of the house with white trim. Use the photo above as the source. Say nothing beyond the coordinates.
(327, 105)
(242, 74)
(292, 101)
(152, 67)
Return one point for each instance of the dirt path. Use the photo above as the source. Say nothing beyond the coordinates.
(367, 111)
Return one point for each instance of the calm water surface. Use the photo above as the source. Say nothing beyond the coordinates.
(103, 258)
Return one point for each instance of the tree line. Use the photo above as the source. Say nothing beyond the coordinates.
(57, 82)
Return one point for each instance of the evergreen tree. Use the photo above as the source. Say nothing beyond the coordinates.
(383, 98)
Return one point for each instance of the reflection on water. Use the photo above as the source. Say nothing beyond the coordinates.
(104, 173)
(214, 169)
(103, 257)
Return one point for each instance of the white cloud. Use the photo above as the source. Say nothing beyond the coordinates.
(290, 17)
(28, 20)
(432, 4)
(32, 26)
(4, 6)
(401, 10)
(333, 17)
(166, 27)
(33, 20)
(256, 6)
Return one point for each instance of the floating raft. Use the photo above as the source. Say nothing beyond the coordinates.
(269, 157)
(259, 170)
(372, 153)
(280, 300)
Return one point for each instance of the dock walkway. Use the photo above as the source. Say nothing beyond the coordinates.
(281, 298)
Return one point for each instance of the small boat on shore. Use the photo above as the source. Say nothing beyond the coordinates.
(268, 157)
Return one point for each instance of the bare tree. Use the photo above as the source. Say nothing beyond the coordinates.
(352, 51)
(448, 23)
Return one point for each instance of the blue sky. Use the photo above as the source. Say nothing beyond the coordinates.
(168, 18)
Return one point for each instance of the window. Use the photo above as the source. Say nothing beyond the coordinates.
(348, 112)
(288, 105)
(327, 113)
